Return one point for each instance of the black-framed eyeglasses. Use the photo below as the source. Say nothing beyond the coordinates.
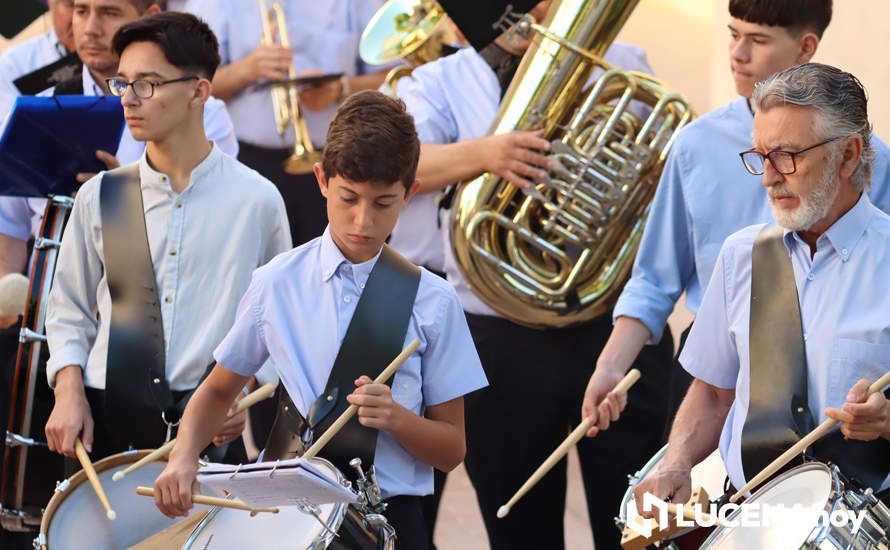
(143, 89)
(784, 162)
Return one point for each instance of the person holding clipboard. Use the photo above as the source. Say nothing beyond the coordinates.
(176, 235)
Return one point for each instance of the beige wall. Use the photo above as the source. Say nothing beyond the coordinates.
(687, 45)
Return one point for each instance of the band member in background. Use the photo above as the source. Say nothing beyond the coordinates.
(94, 24)
(454, 101)
(813, 149)
(299, 306)
(324, 38)
(687, 222)
(209, 220)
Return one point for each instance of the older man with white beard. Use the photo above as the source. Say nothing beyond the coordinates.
(812, 147)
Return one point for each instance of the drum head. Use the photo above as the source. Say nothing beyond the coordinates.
(796, 499)
(75, 518)
(289, 528)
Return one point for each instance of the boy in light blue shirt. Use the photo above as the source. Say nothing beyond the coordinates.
(299, 306)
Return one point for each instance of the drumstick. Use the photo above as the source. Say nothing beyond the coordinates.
(87, 466)
(351, 410)
(255, 397)
(629, 380)
(213, 501)
(801, 445)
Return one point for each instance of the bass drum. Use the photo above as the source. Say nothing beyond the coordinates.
(29, 470)
(333, 526)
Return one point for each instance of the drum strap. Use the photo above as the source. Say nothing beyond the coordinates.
(778, 370)
(376, 334)
(778, 412)
(135, 381)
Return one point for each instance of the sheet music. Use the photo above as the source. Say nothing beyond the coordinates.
(276, 483)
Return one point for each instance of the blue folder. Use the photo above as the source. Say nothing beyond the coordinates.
(48, 140)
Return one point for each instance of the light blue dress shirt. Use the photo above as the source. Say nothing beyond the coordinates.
(704, 195)
(297, 310)
(23, 58)
(324, 35)
(452, 99)
(844, 294)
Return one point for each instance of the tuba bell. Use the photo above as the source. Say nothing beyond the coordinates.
(285, 99)
(559, 256)
(415, 31)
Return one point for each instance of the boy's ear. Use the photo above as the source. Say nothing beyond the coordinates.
(320, 177)
(413, 190)
(203, 91)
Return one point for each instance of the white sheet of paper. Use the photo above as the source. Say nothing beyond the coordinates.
(281, 483)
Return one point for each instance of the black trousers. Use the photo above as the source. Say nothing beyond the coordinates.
(306, 210)
(537, 380)
(678, 384)
(405, 515)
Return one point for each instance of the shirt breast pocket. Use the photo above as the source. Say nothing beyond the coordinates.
(852, 360)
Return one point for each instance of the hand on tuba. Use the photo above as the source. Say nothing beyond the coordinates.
(516, 156)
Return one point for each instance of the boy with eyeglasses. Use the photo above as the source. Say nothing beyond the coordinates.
(209, 221)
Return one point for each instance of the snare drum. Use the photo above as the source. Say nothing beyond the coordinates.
(709, 473)
(75, 518)
(291, 527)
(797, 500)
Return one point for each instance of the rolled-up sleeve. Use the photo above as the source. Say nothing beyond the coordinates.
(710, 353)
(450, 365)
(243, 350)
(72, 310)
(15, 217)
(665, 263)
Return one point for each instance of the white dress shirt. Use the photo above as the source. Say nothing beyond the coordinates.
(844, 294)
(453, 99)
(20, 217)
(205, 242)
(297, 310)
(23, 58)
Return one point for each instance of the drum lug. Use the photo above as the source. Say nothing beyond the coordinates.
(39, 541)
(368, 489)
(62, 486)
(16, 440)
(41, 242)
(27, 335)
(620, 523)
(384, 530)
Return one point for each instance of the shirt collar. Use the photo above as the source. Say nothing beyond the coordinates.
(151, 177)
(331, 258)
(847, 231)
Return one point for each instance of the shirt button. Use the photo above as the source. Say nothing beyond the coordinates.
(810, 277)
(804, 337)
(362, 285)
(173, 252)
(178, 204)
(163, 178)
(169, 299)
(347, 299)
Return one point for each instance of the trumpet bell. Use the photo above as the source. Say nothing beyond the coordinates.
(402, 28)
(301, 162)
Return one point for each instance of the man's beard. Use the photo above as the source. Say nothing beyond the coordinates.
(812, 208)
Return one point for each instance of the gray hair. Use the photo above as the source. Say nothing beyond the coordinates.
(838, 98)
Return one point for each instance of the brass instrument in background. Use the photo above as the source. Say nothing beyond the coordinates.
(560, 255)
(285, 99)
(412, 30)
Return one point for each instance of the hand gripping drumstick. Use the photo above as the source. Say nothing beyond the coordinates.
(801, 445)
(213, 501)
(87, 466)
(622, 387)
(255, 397)
(387, 373)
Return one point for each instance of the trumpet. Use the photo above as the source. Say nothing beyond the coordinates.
(284, 96)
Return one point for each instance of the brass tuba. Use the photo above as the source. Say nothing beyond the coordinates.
(285, 100)
(560, 256)
(414, 31)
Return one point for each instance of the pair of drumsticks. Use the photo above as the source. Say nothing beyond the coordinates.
(313, 450)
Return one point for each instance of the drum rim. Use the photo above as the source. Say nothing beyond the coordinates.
(637, 477)
(78, 479)
(338, 514)
(817, 534)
